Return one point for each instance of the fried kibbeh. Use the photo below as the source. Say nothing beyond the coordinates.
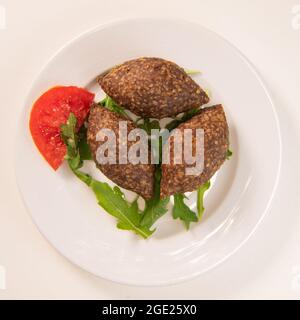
(216, 142)
(152, 88)
(135, 177)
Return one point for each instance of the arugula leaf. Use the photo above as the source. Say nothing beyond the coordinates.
(110, 199)
(182, 211)
(70, 138)
(108, 103)
(229, 153)
(156, 139)
(186, 116)
(208, 92)
(84, 148)
(200, 197)
(191, 72)
(155, 207)
(148, 125)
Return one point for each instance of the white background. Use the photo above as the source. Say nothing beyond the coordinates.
(268, 266)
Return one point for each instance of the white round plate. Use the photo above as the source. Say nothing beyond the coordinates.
(65, 210)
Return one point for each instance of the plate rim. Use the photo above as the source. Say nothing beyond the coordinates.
(106, 25)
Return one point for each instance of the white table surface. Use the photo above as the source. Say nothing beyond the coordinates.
(268, 266)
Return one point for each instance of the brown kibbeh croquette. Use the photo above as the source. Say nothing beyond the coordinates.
(152, 88)
(216, 142)
(139, 177)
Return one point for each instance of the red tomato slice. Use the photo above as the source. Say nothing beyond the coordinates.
(52, 110)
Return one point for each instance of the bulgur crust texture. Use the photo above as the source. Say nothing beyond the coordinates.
(152, 88)
(138, 178)
(216, 142)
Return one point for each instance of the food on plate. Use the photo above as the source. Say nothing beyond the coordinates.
(152, 88)
(111, 199)
(135, 177)
(216, 142)
(66, 123)
(49, 112)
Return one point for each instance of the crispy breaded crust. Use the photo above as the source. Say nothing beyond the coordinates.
(216, 142)
(138, 178)
(152, 88)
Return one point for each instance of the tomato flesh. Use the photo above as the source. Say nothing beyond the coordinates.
(52, 110)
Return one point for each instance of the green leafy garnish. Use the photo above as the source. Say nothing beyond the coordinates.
(208, 92)
(200, 198)
(70, 138)
(155, 207)
(191, 72)
(182, 211)
(156, 140)
(148, 125)
(84, 148)
(108, 103)
(113, 201)
(110, 199)
(128, 215)
(229, 153)
(186, 116)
